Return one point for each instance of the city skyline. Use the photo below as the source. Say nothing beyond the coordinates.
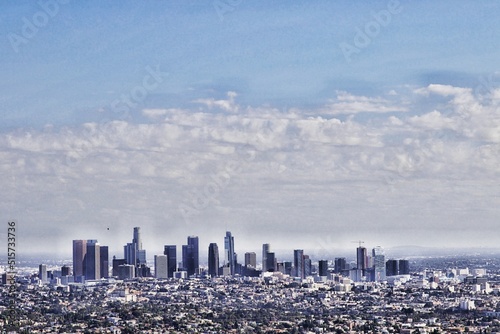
(91, 262)
(317, 124)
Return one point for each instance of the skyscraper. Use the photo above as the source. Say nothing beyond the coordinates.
(323, 268)
(404, 267)
(190, 256)
(271, 262)
(79, 251)
(250, 259)
(378, 264)
(137, 238)
(171, 252)
(161, 266)
(307, 266)
(298, 263)
(230, 257)
(134, 254)
(361, 257)
(92, 261)
(213, 260)
(116, 264)
(340, 265)
(392, 267)
(104, 261)
(42, 273)
(266, 248)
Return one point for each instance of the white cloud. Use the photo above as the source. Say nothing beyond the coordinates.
(268, 167)
(346, 103)
(226, 105)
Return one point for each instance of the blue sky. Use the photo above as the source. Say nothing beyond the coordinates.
(119, 110)
(273, 53)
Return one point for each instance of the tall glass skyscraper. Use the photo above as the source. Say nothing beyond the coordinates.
(213, 260)
(361, 259)
(79, 251)
(190, 255)
(171, 252)
(379, 264)
(230, 257)
(92, 263)
(266, 248)
(298, 263)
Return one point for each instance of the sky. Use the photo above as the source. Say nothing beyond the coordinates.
(306, 125)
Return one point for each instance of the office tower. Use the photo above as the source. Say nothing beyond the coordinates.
(340, 265)
(42, 273)
(130, 253)
(104, 261)
(171, 252)
(230, 257)
(79, 251)
(361, 259)
(65, 270)
(126, 271)
(378, 264)
(161, 266)
(137, 238)
(392, 267)
(251, 259)
(133, 252)
(298, 263)
(190, 256)
(307, 266)
(404, 267)
(266, 248)
(92, 268)
(287, 267)
(116, 264)
(323, 268)
(271, 262)
(213, 260)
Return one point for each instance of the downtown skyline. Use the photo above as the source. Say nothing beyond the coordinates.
(188, 119)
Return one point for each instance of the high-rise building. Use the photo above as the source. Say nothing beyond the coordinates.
(126, 271)
(340, 265)
(134, 254)
(404, 267)
(230, 256)
(250, 259)
(266, 248)
(65, 270)
(171, 252)
(378, 264)
(361, 258)
(79, 251)
(271, 262)
(161, 266)
(298, 263)
(117, 263)
(323, 268)
(104, 261)
(92, 260)
(307, 266)
(190, 255)
(213, 260)
(392, 268)
(42, 273)
(130, 253)
(137, 238)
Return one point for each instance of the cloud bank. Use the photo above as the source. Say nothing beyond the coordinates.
(290, 177)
